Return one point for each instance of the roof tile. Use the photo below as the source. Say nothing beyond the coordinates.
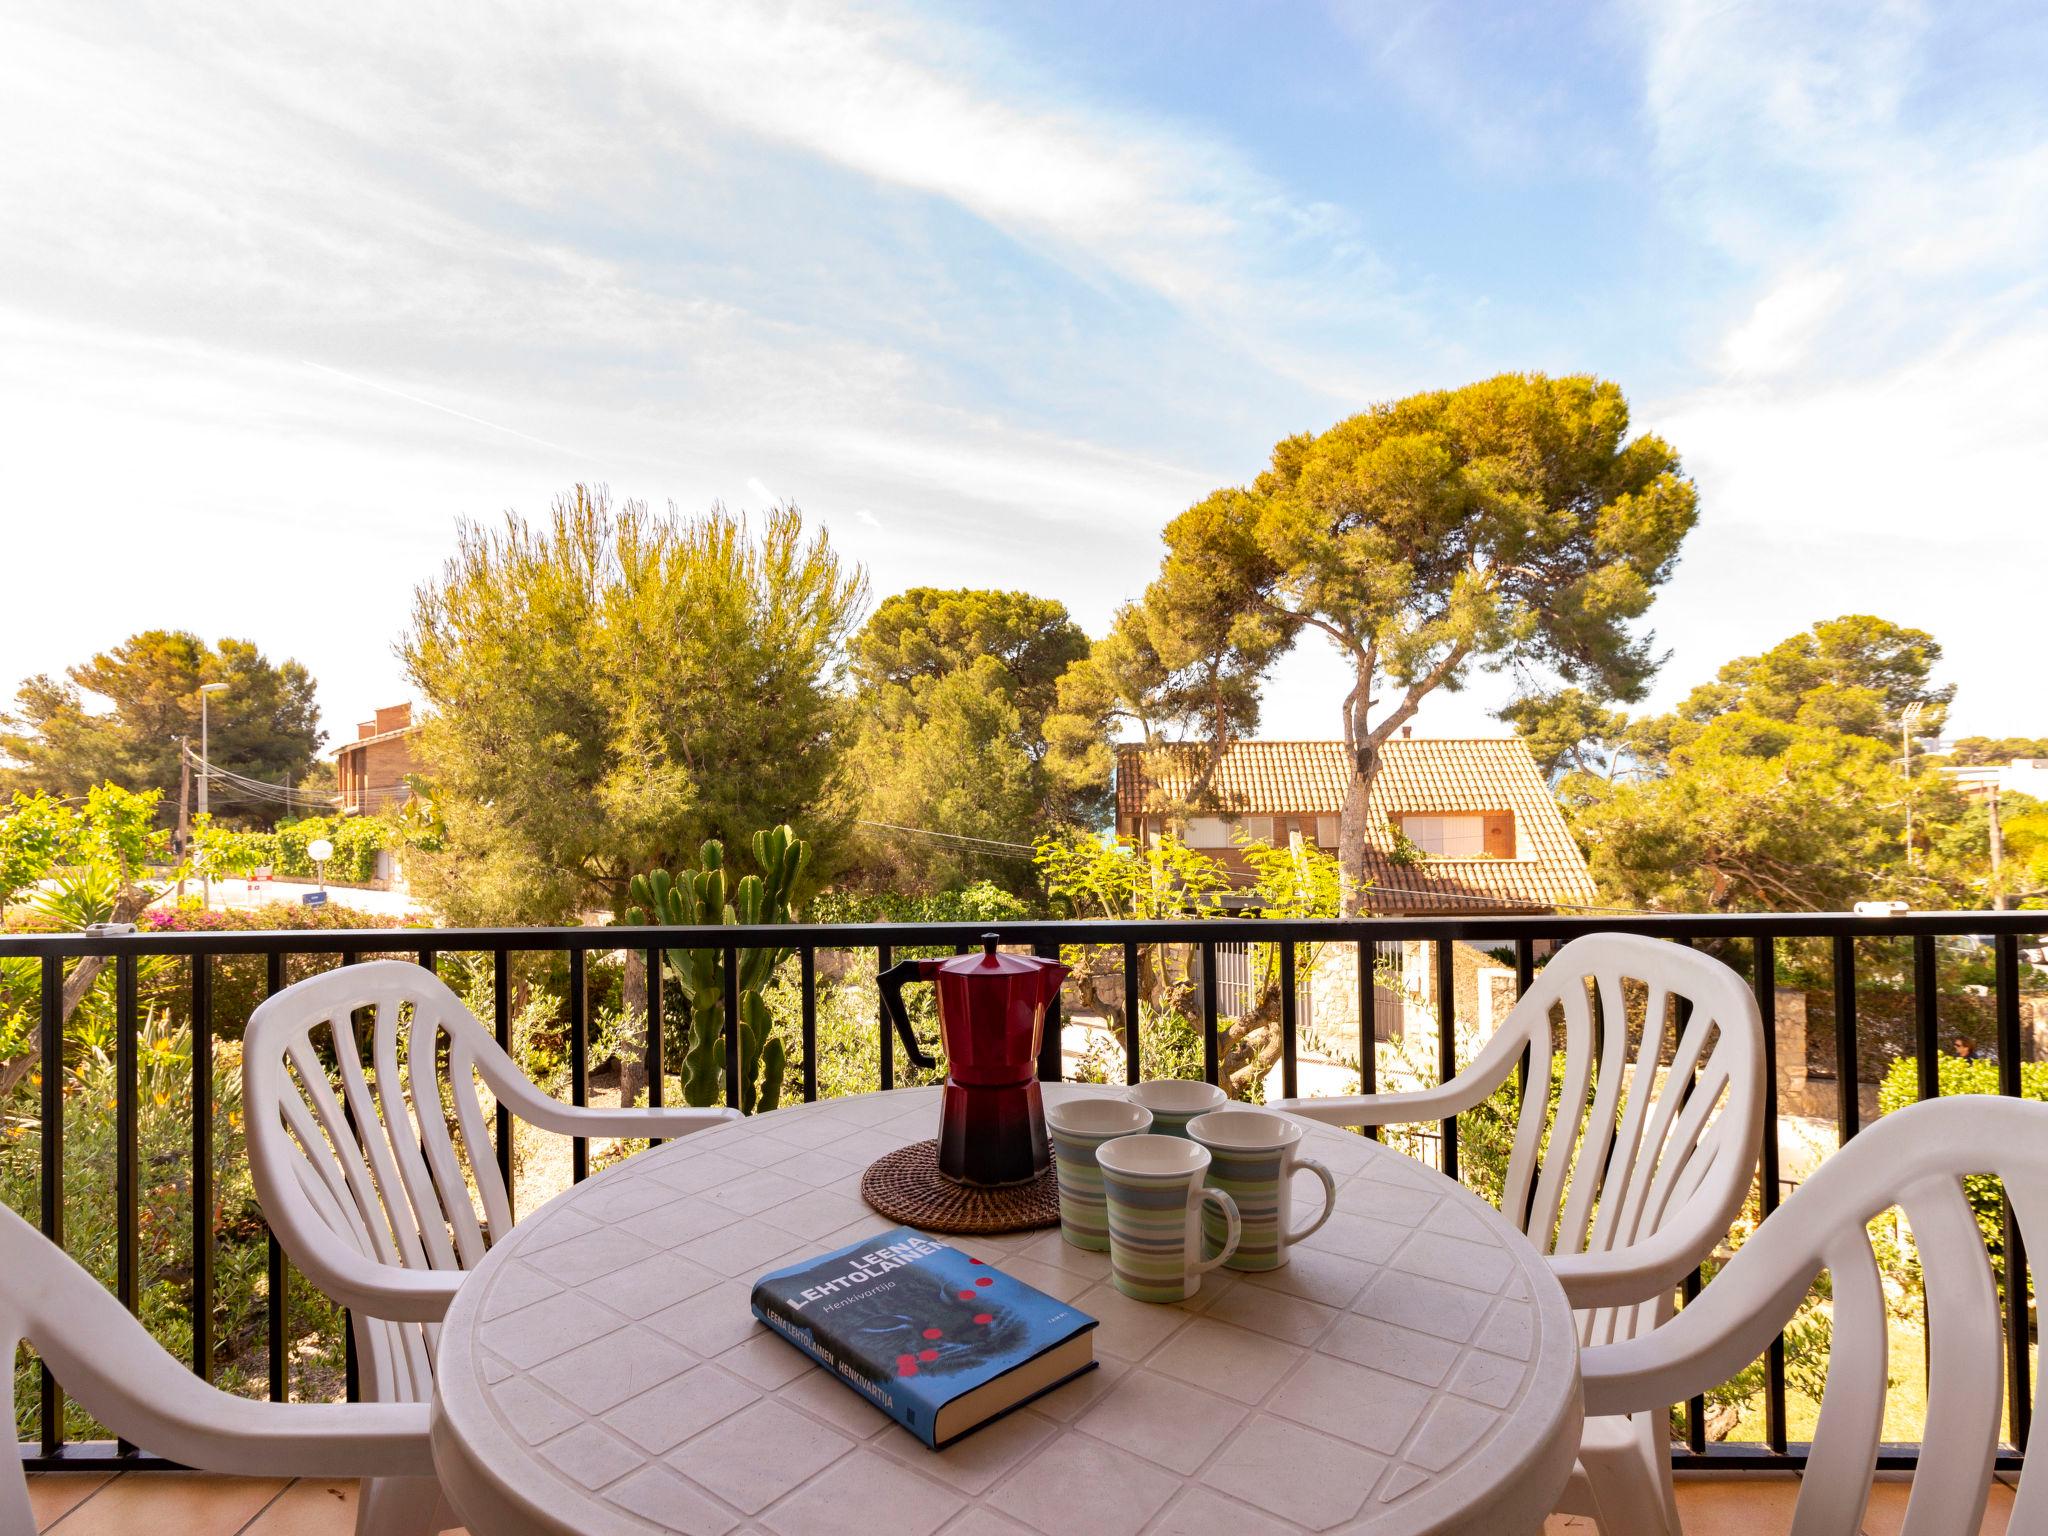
(1416, 775)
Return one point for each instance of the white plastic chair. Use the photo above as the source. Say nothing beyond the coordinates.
(1915, 1159)
(373, 1200)
(1650, 1181)
(108, 1362)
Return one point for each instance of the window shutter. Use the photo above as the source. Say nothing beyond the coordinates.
(1500, 834)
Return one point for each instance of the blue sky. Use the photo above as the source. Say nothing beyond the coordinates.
(993, 291)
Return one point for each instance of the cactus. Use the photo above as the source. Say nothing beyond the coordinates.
(699, 897)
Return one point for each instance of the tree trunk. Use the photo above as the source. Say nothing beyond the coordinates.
(1251, 1046)
(1351, 841)
(1361, 751)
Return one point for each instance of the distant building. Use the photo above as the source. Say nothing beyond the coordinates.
(1452, 826)
(370, 772)
(2021, 776)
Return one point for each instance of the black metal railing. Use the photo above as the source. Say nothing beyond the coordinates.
(1752, 942)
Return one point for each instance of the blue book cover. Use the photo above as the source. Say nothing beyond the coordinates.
(934, 1337)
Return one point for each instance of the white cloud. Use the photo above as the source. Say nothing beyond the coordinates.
(761, 494)
(1782, 326)
(1870, 431)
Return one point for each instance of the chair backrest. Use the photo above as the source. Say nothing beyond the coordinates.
(376, 1169)
(1637, 1148)
(106, 1360)
(1914, 1159)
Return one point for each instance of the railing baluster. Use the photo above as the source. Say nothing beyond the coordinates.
(1848, 1099)
(1133, 1067)
(52, 1001)
(274, 1312)
(1525, 978)
(885, 957)
(579, 1058)
(1764, 984)
(127, 1168)
(1926, 1019)
(807, 990)
(732, 1028)
(1368, 1023)
(1926, 1070)
(501, 1025)
(1212, 1067)
(2019, 1373)
(657, 1085)
(1290, 1047)
(1447, 1043)
(202, 1166)
(1696, 1405)
(1051, 1063)
(351, 1373)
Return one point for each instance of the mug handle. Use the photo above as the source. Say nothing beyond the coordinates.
(1329, 1194)
(1234, 1229)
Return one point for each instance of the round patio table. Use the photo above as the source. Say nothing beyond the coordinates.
(1413, 1368)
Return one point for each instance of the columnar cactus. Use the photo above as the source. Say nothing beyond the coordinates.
(699, 897)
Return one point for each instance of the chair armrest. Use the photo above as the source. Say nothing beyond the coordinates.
(1463, 1092)
(379, 1290)
(1649, 1267)
(595, 1120)
(237, 1436)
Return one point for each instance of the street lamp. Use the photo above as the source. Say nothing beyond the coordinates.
(320, 850)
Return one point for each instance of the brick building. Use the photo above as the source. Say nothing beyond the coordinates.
(370, 771)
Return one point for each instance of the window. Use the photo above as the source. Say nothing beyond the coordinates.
(1258, 828)
(1207, 832)
(1447, 837)
(1326, 832)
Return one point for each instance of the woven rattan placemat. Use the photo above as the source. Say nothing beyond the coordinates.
(907, 1186)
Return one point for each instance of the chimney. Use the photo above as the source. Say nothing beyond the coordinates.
(1407, 731)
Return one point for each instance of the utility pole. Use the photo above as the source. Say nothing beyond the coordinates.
(1907, 721)
(206, 777)
(184, 804)
(1997, 856)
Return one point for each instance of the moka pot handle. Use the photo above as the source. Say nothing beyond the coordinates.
(891, 983)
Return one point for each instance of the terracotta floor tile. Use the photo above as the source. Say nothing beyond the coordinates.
(53, 1495)
(1728, 1506)
(171, 1504)
(313, 1506)
(1887, 1512)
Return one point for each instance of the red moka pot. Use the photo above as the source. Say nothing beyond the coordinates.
(991, 1015)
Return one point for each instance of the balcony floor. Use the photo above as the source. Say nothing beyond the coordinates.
(193, 1504)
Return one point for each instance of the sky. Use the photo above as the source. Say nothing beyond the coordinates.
(993, 291)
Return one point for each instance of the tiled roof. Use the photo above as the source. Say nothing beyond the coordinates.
(1416, 775)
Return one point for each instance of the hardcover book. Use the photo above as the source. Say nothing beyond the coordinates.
(935, 1338)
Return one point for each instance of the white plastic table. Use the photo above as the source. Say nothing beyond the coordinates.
(1414, 1368)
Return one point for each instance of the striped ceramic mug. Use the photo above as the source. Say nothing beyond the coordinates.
(1080, 1126)
(1154, 1191)
(1175, 1101)
(1253, 1157)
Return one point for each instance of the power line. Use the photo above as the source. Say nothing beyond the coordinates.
(1003, 849)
